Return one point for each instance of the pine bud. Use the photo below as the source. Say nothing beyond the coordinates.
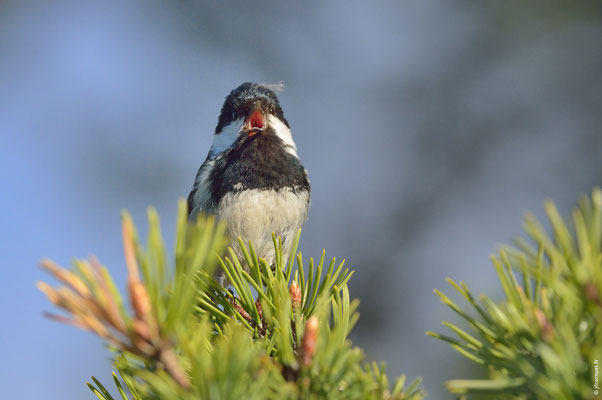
(259, 309)
(295, 293)
(139, 297)
(310, 339)
(545, 326)
(241, 310)
(141, 329)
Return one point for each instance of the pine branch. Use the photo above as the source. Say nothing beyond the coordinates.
(278, 334)
(542, 340)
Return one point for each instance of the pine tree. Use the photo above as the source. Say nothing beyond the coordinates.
(544, 341)
(282, 333)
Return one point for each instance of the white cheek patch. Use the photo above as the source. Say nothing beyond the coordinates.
(225, 139)
(284, 133)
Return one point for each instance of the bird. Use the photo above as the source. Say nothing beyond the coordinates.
(253, 178)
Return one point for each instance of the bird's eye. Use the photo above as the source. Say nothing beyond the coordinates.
(271, 109)
(233, 116)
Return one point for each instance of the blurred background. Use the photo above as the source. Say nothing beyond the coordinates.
(428, 128)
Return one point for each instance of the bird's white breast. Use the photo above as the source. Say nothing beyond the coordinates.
(254, 214)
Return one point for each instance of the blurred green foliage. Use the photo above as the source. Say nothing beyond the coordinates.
(282, 333)
(542, 340)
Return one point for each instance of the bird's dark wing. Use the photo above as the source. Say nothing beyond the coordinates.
(191, 199)
(200, 199)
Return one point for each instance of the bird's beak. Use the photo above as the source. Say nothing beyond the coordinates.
(255, 122)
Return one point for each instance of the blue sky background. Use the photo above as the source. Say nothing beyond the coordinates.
(428, 128)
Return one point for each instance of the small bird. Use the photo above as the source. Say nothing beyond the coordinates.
(253, 177)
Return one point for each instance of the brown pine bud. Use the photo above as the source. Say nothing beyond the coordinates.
(591, 292)
(170, 361)
(141, 329)
(310, 340)
(259, 309)
(66, 277)
(545, 326)
(241, 310)
(295, 293)
(139, 298)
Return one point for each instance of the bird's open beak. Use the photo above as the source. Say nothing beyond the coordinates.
(255, 123)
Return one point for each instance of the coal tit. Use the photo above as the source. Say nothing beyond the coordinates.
(253, 177)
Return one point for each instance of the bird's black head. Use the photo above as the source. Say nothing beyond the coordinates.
(252, 103)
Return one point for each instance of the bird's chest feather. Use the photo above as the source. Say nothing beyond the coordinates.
(254, 214)
(258, 188)
(268, 210)
(259, 163)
